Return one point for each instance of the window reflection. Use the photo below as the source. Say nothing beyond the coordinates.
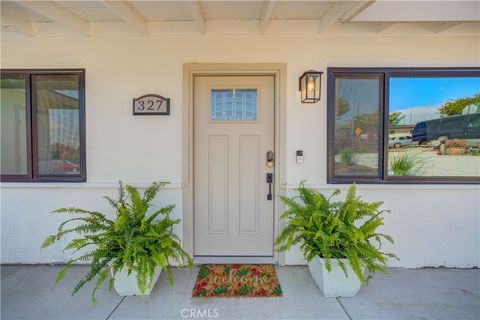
(13, 127)
(357, 126)
(434, 127)
(58, 133)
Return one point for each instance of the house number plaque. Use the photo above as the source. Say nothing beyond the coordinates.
(151, 104)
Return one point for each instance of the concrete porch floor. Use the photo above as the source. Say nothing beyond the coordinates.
(27, 293)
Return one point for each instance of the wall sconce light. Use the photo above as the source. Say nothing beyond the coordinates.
(309, 86)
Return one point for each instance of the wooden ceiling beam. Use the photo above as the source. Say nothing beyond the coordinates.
(18, 24)
(266, 15)
(444, 26)
(384, 26)
(197, 14)
(128, 14)
(333, 15)
(356, 10)
(57, 13)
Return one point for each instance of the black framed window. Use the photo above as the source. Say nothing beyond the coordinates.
(43, 125)
(403, 125)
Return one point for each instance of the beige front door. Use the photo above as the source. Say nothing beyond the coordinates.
(234, 136)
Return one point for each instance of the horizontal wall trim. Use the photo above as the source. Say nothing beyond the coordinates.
(325, 186)
(181, 186)
(82, 185)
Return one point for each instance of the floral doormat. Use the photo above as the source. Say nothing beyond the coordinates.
(237, 280)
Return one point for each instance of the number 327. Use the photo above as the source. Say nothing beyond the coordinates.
(149, 105)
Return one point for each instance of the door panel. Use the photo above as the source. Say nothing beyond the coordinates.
(218, 184)
(233, 131)
(249, 172)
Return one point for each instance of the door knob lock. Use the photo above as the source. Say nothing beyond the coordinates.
(270, 159)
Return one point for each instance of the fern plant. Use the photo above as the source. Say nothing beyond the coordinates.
(336, 230)
(134, 240)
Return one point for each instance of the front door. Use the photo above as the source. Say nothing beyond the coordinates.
(233, 154)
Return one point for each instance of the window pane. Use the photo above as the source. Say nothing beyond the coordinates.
(357, 125)
(57, 119)
(439, 121)
(233, 105)
(14, 129)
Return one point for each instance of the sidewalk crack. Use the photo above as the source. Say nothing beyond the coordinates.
(345, 310)
(115, 308)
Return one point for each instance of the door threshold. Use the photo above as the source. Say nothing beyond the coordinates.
(233, 260)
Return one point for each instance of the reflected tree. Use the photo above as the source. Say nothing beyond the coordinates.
(453, 107)
(395, 118)
(342, 106)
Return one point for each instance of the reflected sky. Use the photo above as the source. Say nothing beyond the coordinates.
(406, 93)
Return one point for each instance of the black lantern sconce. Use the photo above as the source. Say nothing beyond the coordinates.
(309, 86)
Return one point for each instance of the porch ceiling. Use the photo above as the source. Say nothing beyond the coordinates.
(149, 18)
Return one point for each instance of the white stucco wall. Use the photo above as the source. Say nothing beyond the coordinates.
(432, 225)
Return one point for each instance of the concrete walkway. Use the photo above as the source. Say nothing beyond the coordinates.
(27, 293)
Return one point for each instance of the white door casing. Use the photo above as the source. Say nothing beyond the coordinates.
(232, 215)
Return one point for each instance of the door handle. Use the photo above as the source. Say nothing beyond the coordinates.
(269, 181)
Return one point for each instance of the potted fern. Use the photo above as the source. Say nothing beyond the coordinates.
(133, 247)
(337, 238)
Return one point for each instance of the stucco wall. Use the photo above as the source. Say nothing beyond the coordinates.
(432, 225)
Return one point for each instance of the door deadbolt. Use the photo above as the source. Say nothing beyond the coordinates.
(270, 158)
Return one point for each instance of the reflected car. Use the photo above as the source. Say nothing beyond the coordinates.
(400, 141)
(466, 127)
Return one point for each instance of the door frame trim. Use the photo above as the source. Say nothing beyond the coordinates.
(190, 71)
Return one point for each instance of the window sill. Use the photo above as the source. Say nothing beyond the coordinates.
(383, 186)
(80, 185)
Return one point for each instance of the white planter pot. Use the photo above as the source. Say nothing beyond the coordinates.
(126, 285)
(334, 283)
